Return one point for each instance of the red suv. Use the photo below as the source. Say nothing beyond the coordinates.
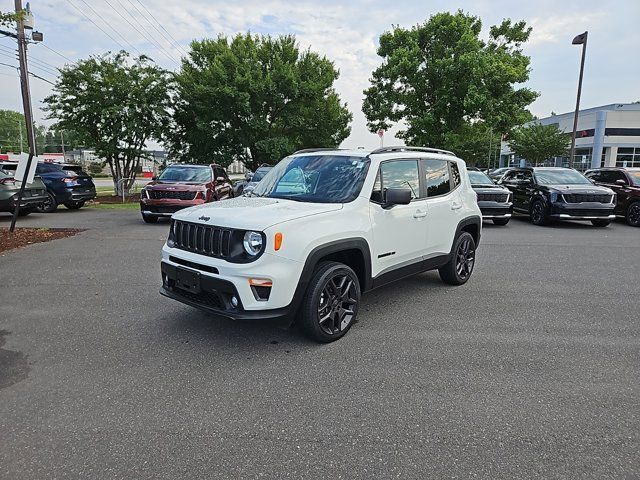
(626, 183)
(182, 186)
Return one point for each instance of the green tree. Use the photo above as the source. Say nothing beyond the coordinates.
(12, 128)
(116, 104)
(440, 76)
(476, 143)
(8, 18)
(537, 143)
(255, 99)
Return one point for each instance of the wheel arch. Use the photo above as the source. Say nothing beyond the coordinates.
(472, 225)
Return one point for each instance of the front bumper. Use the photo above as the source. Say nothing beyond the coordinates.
(582, 211)
(495, 209)
(166, 207)
(9, 204)
(81, 194)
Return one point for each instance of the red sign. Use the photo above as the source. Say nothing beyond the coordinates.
(381, 133)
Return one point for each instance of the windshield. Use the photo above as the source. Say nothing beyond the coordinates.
(561, 177)
(479, 178)
(186, 174)
(635, 176)
(315, 178)
(259, 175)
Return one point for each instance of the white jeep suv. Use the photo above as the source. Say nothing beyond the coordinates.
(322, 227)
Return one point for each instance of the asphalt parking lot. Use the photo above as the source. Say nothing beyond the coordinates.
(531, 370)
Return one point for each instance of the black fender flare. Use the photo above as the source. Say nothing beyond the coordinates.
(473, 220)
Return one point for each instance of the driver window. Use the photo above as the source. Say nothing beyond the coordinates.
(396, 174)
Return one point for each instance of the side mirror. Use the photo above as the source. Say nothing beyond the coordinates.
(397, 196)
(154, 178)
(621, 182)
(221, 179)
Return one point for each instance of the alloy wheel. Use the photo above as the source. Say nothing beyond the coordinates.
(634, 214)
(336, 304)
(465, 258)
(537, 212)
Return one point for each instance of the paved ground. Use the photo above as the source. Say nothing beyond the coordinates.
(531, 370)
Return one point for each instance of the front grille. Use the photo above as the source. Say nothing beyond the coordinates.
(210, 299)
(493, 197)
(586, 212)
(587, 197)
(173, 194)
(202, 239)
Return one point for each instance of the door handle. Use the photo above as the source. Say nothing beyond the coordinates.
(419, 214)
(456, 205)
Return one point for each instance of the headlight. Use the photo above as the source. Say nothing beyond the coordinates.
(171, 241)
(144, 193)
(252, 243)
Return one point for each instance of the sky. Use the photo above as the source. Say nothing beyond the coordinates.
(347, 33)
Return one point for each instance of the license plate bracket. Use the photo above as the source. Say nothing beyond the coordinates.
(188, 280)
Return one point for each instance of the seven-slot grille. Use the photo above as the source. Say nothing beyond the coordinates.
(175, 194)
(202, 239)
(493, 197)
(587, 197)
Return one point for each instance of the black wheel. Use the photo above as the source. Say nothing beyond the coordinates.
(149, 218)
(600, 223)
(49, 205)
(500, 221)
(459, 268)
(74, 205)
(330, 305)
(633, 214)
(538, 214)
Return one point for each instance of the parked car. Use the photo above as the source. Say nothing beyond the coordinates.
(32, 196)
(72, 188)
(497, 174)
(546, 193)
(494, 200)
(238, 187)
(182, 186)
(255, 178)
(321, 228)
(626, 183)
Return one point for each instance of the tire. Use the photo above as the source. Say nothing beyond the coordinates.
(538, 213)
(330, 304)
(460, 266)
(600, 223)
(149, 218)
(49, 205)
(24, 212)
(633, 214)
(74, 205)
(500, 221)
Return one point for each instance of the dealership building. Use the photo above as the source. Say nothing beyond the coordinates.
(606, 136)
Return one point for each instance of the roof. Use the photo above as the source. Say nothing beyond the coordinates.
(409, 151)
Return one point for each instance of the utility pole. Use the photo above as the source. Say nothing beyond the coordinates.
(26, 105)
(578, 40)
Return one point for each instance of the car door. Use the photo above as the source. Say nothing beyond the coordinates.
(399, 232)
(443, 206)
(515, 181)
(610, 178)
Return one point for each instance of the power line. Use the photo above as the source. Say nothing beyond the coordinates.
(96, 25)
(40, 78)
(150, 23)
(55, 51)
(174, 41)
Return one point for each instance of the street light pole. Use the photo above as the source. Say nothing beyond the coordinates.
(26, 105)
(578, 40)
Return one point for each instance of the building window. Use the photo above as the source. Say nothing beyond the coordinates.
(581, 159)
(628, 157)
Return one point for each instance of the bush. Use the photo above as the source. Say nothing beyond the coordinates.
(94, 168)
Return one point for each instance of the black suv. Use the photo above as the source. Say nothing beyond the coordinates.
(626, 183)
(546, 193)
(494, 200)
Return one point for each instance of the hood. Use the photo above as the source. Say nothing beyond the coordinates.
(593, 189)
(252, 213)
(490, 188)
(159, 185)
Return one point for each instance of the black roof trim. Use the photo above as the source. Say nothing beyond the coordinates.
(411, 149)
(311, 150)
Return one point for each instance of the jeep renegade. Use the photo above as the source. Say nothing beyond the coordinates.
(322, 227)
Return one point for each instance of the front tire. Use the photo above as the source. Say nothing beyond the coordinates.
(460, 266)
(500, 221)
(633, 214)
(538, 214)
(600, 223)
(149, 218)
(49, 205)
(330, 304)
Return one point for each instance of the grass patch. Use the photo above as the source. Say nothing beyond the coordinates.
(114, 206)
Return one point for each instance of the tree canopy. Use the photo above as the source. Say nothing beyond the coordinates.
(255, 99)
(441, 79)
(537, 143)
(114, 103)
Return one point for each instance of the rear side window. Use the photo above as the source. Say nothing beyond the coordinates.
(595, 176)
(219, 172)
(437, 177)
(396, 174)
(455, 174)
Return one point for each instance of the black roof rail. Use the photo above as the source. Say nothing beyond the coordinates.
(310, 150)
(411, 149)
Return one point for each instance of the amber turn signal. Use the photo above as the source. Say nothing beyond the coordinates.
(260, 282)
(277, 241)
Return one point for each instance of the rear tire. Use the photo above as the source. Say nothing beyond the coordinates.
(463, 258)
(633, 214)
(600, 223)
(149, 218)
(500, 221)
(49, 205)
(74, 205)
(330, 304)
(538, 213)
